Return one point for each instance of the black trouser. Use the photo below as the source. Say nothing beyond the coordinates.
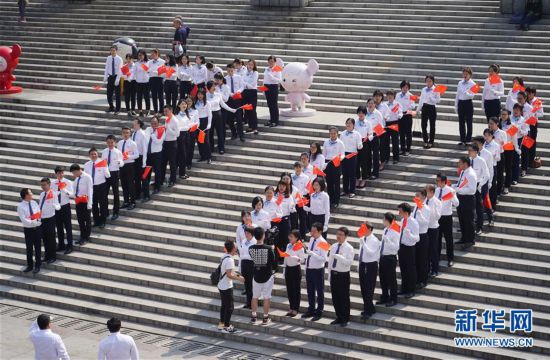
(363, 172)
(422, 261)
(373, 156)
(435, 252)
(516, 165)
(492, 108)
(143, 93)
(272, 98)
(333, 182)
(508, 156)
(112, 89)
(407, 265)
(153, 160)
(227, 307)
(498, 178)
(171, 91)
(113, 184)
(293, 279)
(465, 211)
(138, 172)
(446, 230)
(204, 148)
(155, 84)
(191, 148)
(169, 156)
(250, 96)
(390, 137)
(388, 278)
(247, 270)
(312, 219)
(405, 132)
(429, 113)
(183, 145)
(465, 120)
(84, 220)
(282, 241)
(486, 210)
(33, 242)
(533, 131)
(22, 5)
(315, 281)
(302, 221)
(185, 89)
(218, 124)
(237, 117)
(525, 154)
(479, 210)
(367, 281)
(48, 235)
(349, 174)
(100, 205)
(339, 288)
(63, 220)
(127, 181)
(130, 88)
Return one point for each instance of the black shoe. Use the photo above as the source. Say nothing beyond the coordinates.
(268, 123)
(188, 167)
(51, 261)
(102, 226)
(407, 153)
(316, 318)
(365, 317)
(478, 232)
(132, 206)
(450, 263)
(306, 315)
(335, 322)
(273, 125)
(116, 112)
(391, 303)
(95, 225)
(336, 205)
(395, 162)
(343, 324)
(125, 205)
(114, 217)
(68, 251)
(60, 249)
(36, 270)
(27, 269)
(109, 110)
(373, 177)
(462, 242)
(222, 152)
(82, 242)
(381, 302)
(209, 161)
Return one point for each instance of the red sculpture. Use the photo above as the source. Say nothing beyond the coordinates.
(9, 58)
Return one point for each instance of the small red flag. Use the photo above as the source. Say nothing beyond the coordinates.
(280, 199)
(302, 202)
(508, 146)
(281, 253)
(247, 107)
(464, 183)
(394, 127)
(160, 132)
(146, 172)
(418, 202)
(441, 89)
(362, 230)
(487, 202)
(102, 163)
(536, 108)
(170, 71)
(448, 196)
(237, 96)
(395, 226)
(512, 130)
(97, 87)
(448, 182)
(379, 130)
(125, 155)
(202, 137)
(194, 91)
(414, 98)
(263, 88)
(349, 156)
(168, 119)
(276, 220)
(276, 68)
(193, 127)
(395, 109)
(528, 142)
(518, 87)
(61, 185)
(309, 187)
(297, 246)
(323, 245)
(36, 216)
(161, 70)
(531, 121)
(318, 172)
(81, 199)
(125, 69)
(50, 195)
(475, 89)
(145, 67)
(336, 161)
(494, 79)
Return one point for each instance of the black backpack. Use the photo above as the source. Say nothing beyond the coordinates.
(217, 275)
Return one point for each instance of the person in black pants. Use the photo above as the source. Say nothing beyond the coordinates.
(183, 117)
(369, 255)
(156, 81)
(171, 90)
(169, 147)
(339, 264)
(272, 79)
(315, 273)
(448, 199)
(63, 223)
(130, 85)
(408, 237)
(533, 129)
(493, 89)
(433, 229)
(464, 106)
(246, 263)
(49, 204)
(83, 194)
(130, 153)
(111, 77)
(396, 113)
(388, 262)
(26, 210)
(466, 188)
(406, 99)
(428, 99)
(225, 286)
(333, 151)
(250, 96)
(293, 271)
(373, 153)
(142, 83)
(153, 158)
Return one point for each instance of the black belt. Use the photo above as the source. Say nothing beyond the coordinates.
(334, 272)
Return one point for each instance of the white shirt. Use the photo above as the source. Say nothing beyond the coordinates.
(271, 207)
(319, 204)
(511, 99)
(153, 66)
(495, 149)
(513, 139)
(500, 138)
(109, 67)
(224, 91)
(83, 187)
(463, 91)
(409, 235)
(118, 346)
(100, 174)
(204, 111)
(227, 264)
(47, 345)
(172, 129)
(488, 157)
(364, 128)
(519, 122)
(482, 171)
(396, 114)
(369, 249)
(184, 73)
(308, 170)
(25, 214)
(129, 147)
(115, 162)
(384, 110)
(300, 182)
(316, 257)
(539, 114)
(48, 206)
(156, 143)
(184, 121)
(319, 161)
(173, 76)
(467, 182)
(261, 218)
(295, 257)
(199, 74)
(343, 254)
(141, 75)
(272, 77)
(405, 100)
(374, 118)
(435, 212)
(422, 216)
(428, 96)
(141, 140)
(352, 141)
(390, 242)
(250, 79)
(446, 205)
(211, 73)
(66, 193)
(244, 247)
(492, 92)
(238, 84)
(331, 149)
(287, 206)
(131, 72)
(241, 71)
(216, 102)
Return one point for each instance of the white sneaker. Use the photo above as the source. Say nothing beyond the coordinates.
(230, 329)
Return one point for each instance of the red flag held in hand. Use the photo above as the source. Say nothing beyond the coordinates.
(202, 137)
(280, 199)
(168, 119)
(508, 146)
(536, 108)
(125, 69)
(531, 121)
(276, 220)
(441, 89)
(448, 182)
(194, 91)
(50, 195)
(276, 68)
(170, 71)
(146, 172)
(309, 187)
(302, 202)
(237, 96)
(528, 142)
(512, 130)
(281, 253)
(318, 172)
(81, 199)
(414, 98)
(160, 132)
(518, 87)
(193, 127)
(263, 88)
(102, 163)
(448, 196)
(61, 185)
(323, 245)
(418, 202)
(464, 183)
(475, 89)
(161, 70)
(336, 161)
(247, 107)
(394, 127)
(36, 215)
(395, 226)
(379, 130)
(487, 202)
(145, 67)
(494, 79)
(395, 109)
(350, 155)
(97, 87)
(125, 155)
(362, 230)
(297, 246)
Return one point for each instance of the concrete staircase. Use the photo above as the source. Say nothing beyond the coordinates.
(152, 265)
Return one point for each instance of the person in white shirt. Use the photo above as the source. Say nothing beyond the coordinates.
(259, 216)
(525, 129)
(184, 76)
(510, 150)
(199, 72)
(483, 180)
(47, 345)
(333, 151)
(466, 188)
(388, 261)
(392, 133)
(493, 89)
(448, 198)
(130, 153)
(184, 121)
(170, 76)
(315, 273)
(216, 102)
(464, 106)
(406, 100)
(114, 162)
(511, 98)
(111, 78)
(364, 128)
(352, 144)
(29, 214)
(339, 263)
(212, 70)
(427, 107)
(49, 204)
(142, 83)
(83, 198)
(301, 180)
(408, 237)
(537, 105)
(236, 86)
(287, 205)
(433, 229)
(141, 140)
(117, 346)
(307, 168)
(152, 157)
(497, 138)
(65, 191)
(240, 69)
(98, 170)
(271, 80)
(316, 157)
(250, 95)
(495, 149)
(293, 271)
(369, 255)
(155, 81)
(130, 85)
(381, 106)
(319, 205)
(376, 121)
(169, 146)
(225, 286)
(421, 214)
(245, 261)
(202, 106)
(270, 205)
